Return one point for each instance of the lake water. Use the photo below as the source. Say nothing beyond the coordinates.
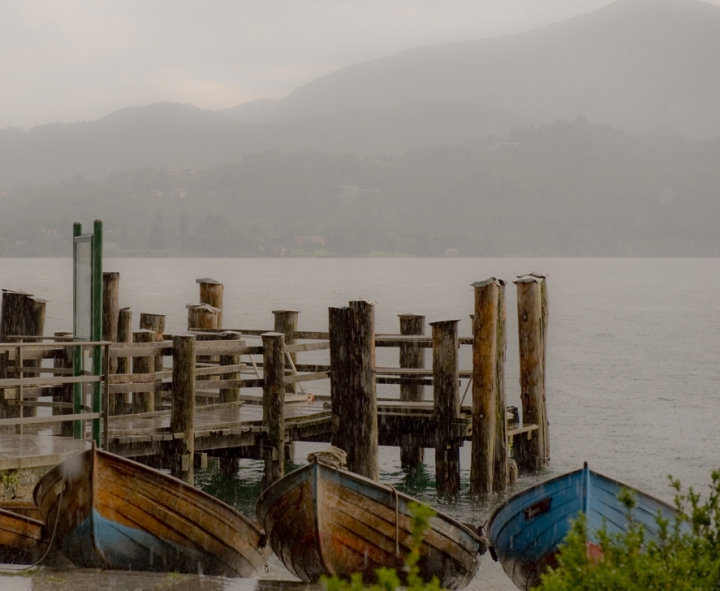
(633, 373)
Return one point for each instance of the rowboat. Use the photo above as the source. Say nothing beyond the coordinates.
(525, 531)
(113, 513)
(323, 520)
(22, 538)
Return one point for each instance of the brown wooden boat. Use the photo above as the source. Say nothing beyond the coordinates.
(117, 514)
(22, 538)
(321, 520)
(26, 508)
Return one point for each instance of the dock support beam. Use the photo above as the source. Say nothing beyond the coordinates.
(287, 321)
(532, 454)
(274, 406)
(156, 324)
(502, 463)
(212, 293)
(119, 402)
(447, 406)
(182, 418)
(361, 421)
(340, 399)
(143, 401)
(411, 357)
(484, 387)
(111, 311)
(230, 464)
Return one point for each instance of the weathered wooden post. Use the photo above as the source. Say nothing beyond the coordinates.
(502, 462)
(361, 421)
(340, 400)
(211, 293)
(111, 311)
(202, 316)
(21, 314)
(412, 356)
(144, 401)
(64, 360)
(155, 323)
(182, 418)
(230, 464)
(120, 402)
(447, 406)
(286, 321)
(484, 387)
(533, 452)
(274, 406)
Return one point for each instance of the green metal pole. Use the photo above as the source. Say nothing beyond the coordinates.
(97, 310)
(77, 351)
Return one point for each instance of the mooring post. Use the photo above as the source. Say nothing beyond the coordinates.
(447, 406)
(484, 387)
(211, 293)
(64, 360)
(155, 323)
(502, 465)
(120, 402)
(202, 316)
(111, 311)
(412, 356)
(362, 425)
(144, 401)
(182, 417)
(286, 321)
(230, 464)
(340, 399)
(274, 406)
(533, 452)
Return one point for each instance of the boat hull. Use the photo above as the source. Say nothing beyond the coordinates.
(527, 530)
(116, 514)
(324, 521)
(22, 539)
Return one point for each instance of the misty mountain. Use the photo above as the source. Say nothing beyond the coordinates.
(642, 65)
(171, 135)
(645, 65)
(566, 189)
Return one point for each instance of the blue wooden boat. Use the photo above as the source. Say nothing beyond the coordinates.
(113, 513)
(324, 520)
(526, 531)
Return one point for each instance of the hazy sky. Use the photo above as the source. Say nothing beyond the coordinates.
(63, 60)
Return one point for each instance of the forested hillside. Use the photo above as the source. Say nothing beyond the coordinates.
(566, 189)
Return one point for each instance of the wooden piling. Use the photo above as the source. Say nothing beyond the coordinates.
(230, 394)
(111, 311)
(533, 452)
(287, 321)
(484, 387)
(502, 467)
(202, 316)
(143, 401)
(155, 323)
(447, 406)
(361, 422)
(64, 360)
(340, 398)
(411, 357)
(182, 418)
(274, 406)
(212, 292)
(119, 403)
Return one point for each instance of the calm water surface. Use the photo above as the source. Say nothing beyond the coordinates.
(632, 370)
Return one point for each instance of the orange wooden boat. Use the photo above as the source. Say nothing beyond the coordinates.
(22, 538)
(323, 520)
(117, 514)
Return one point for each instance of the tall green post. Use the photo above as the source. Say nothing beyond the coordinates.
(77, 351)
(97, 309)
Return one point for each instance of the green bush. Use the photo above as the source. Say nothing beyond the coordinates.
(686, 555)
(388, 578)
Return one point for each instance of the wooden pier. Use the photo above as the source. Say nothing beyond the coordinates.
(174, 400)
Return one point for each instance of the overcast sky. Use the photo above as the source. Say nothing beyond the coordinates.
(67, 60)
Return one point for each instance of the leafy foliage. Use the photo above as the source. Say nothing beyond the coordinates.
(388, 578)
(685, 557)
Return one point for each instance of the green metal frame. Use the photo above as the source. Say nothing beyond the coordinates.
(96, 240)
